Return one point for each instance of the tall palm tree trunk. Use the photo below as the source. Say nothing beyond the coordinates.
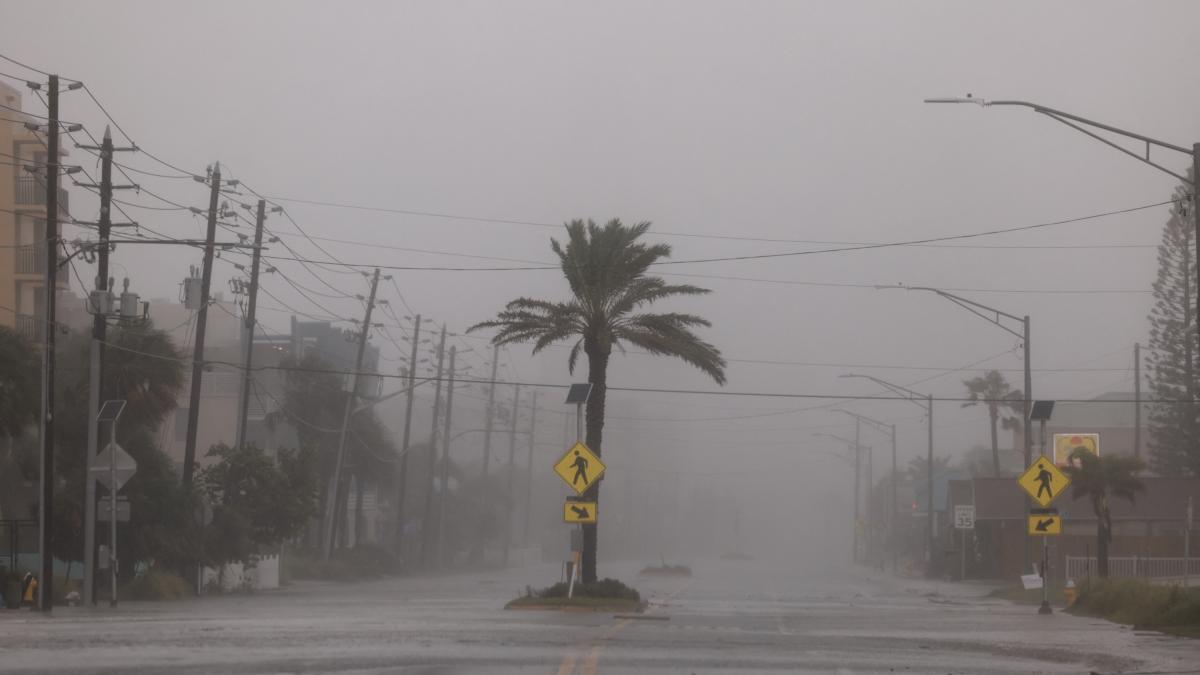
(995, 415)
(598, 377)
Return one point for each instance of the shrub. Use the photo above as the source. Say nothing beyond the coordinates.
(158, 584)
(1136, 602)
(609, 589)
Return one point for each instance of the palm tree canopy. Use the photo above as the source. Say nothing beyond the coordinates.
(1097, 477)
(994, 391)
(606, 267)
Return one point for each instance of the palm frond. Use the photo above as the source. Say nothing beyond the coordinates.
(670, 335)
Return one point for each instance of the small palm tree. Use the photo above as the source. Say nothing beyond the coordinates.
(993, 390)
(606, 269)
(1098, 478)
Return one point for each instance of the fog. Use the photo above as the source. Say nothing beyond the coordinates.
(464, 133)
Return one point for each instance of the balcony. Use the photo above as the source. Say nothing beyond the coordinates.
(30, 192)
(30, 327)
(30, 259)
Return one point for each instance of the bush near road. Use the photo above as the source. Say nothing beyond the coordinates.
(1171, 609)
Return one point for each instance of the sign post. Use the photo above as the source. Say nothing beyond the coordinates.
(116, 458)
(579, 458)
(1187, 543)
(1044, 482)
(964, 519)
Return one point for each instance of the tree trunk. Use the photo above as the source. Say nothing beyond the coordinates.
(359, 522)
(598, 377)
(1103, 535)
(994, 414)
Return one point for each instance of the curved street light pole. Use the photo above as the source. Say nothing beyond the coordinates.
(922, 401)
(888, 430)
(1086, 126)
(857, 464)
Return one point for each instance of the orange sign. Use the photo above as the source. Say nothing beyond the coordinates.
(1065, 444)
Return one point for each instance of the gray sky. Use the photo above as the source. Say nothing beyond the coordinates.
(798, 121)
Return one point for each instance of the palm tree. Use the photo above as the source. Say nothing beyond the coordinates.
(992, 389)
(1097, 478)
(606, 269)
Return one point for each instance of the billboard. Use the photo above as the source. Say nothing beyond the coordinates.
(1064, 444)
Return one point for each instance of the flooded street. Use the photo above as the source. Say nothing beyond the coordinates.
(730, 617)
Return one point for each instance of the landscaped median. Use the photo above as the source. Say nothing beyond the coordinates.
(1170, 609)
(606, 595)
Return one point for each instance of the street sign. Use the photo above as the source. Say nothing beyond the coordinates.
(579, 468)
(1065, 444)
(964, 516)
(1043, 481)
(104, 511)
(1045, 524)
(579, 512)
(102, 466)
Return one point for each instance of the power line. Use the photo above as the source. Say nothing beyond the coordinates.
(764, 256)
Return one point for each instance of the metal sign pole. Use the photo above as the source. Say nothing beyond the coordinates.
(1045, 608)
(1187, 541)
(112, 513)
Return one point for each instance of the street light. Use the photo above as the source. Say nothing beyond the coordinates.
(1082, 124)
(995, 316)
(890, 431)
(922, 401)
(857, 475)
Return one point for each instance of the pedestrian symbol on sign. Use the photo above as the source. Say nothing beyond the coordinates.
(1044, 478)
(580, 465)
(1043, 481)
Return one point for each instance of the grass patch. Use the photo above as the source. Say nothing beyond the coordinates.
(157, 584)
(354, 564)
(606, 594)
(1171, 609)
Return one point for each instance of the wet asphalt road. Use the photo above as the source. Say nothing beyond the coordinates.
(730, 617)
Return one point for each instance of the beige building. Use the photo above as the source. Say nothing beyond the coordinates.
(23, 219)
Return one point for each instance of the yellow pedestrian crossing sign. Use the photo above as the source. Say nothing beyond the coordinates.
(579, 468)
(1043, 481)
(1045, 525)
(579, 512)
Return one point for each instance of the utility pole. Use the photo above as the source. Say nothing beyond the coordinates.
(529, 469)
(857, 480)
(408, 408)
(250, 321)
(189, 451)
(99, 306)
(335, 496)
(512, 458)
(894, 511)
(49, 332)
(929, 532)
(491, 402)
(1137, 399)
(443, 492)
(427, 513)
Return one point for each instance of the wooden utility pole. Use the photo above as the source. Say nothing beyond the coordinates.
(490, 412)
(427, 524)
(332, 504)
(512, 458)
(98, 306)
(250, 322)
(529, 470)
(402, 487)
(444, 485)
(49, 331)
(189, 450)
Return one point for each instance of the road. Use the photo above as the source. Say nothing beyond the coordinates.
(730, 617)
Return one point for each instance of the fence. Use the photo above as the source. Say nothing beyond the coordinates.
(19, 544)
(1080, 567)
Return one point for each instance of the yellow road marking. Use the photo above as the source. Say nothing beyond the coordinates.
(568, 664)
(592, 659)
